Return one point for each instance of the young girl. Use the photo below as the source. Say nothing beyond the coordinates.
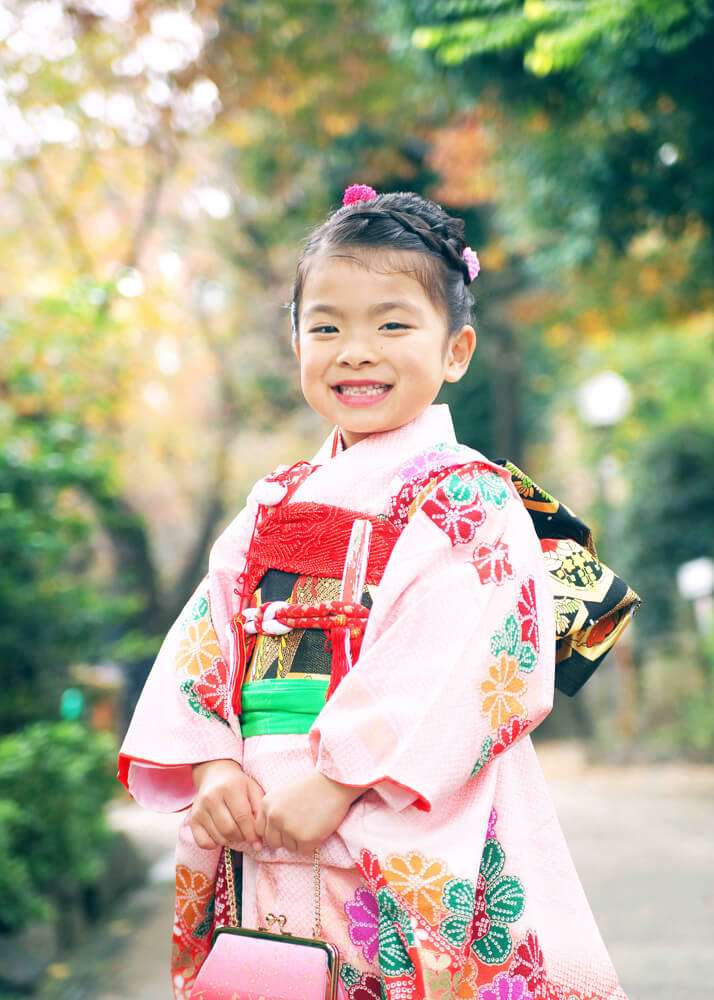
(393, 733)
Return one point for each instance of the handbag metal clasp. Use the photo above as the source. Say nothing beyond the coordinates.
(280, 920)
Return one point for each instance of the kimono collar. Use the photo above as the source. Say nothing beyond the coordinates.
(360, 477)
(434, 424)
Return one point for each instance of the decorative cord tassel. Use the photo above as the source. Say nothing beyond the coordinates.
(240, 649)
(341, 657)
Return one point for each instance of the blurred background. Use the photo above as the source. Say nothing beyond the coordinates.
(160, 164)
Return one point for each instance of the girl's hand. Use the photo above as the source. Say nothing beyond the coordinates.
(226, 805)
(301, 815)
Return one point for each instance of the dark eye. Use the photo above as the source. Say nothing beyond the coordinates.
(327, 327)
(399, 326)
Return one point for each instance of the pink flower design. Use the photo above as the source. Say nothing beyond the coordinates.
(428, 462)
(506, 987)
(491, 828)
(527, 614)
(472, 262)
(358, 192)
(492, 563)
(363, 916)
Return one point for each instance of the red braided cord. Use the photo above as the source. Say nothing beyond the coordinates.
(326, 616)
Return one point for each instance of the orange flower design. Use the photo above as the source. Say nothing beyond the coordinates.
(502, 690)
(193, 893)
(198, 649)
(465, 982)
(419, 881)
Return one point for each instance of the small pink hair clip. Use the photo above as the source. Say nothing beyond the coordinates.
(472, 262)
(358, 192)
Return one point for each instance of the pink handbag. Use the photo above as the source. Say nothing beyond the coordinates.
(245, 964)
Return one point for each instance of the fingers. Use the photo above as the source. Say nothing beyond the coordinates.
(273, 836)
(205, 833)
(241, 819)
(213, 825)
(260, 824)
(289, 843)
(255, 795)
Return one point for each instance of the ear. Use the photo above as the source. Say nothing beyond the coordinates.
(459, 351)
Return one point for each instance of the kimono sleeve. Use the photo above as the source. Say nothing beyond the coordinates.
(184, 715)
(458, 659)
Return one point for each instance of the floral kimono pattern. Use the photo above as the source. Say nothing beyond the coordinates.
(449, 876)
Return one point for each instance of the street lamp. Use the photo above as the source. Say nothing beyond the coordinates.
(602, 402)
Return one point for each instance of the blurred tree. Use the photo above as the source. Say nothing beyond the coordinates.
(605, 111)
(55, 474)
(166, 161)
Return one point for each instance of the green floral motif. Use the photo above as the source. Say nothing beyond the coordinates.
(349, 975)
(458, 490)
(484, 756)
(394, 958)
(508, 640)
(203, 929)
(504, 902)
(200, 608)
(525, 485)
(199, 709)
(492, 488)
(458, 896)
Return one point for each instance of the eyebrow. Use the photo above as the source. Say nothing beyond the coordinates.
(374, 310)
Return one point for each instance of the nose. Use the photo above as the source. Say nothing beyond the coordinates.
(357, 351)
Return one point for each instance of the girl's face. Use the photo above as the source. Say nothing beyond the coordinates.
(373, 349)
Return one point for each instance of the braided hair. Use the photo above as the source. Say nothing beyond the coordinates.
(398, 221)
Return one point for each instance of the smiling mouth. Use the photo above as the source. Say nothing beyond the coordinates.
(361, 393)
(361, 390)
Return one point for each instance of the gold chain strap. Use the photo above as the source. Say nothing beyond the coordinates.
(233, 902)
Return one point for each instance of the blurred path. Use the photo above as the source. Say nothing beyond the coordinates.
(641, 840)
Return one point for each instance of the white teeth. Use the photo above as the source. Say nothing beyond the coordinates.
(362, 390)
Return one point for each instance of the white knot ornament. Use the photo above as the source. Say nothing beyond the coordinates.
(267, 493)
(270, 625)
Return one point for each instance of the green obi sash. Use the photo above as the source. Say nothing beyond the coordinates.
(281, 705)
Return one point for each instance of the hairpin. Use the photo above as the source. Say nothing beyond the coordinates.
(472, 262)
(358, 192)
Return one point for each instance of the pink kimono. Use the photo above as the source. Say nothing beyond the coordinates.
(450, 876)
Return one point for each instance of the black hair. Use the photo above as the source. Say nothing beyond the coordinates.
(401, 221)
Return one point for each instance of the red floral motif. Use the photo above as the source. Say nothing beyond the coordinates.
(508, 733)
(528, 615)
(367, 988)
(459, 520)
(482, 921)
(492, 563)
(528, 962)
(601, 630)
(372, 870)
(211, 688)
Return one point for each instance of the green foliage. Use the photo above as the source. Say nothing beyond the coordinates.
(55, 780)
(53, 609)
(557, 34)
(605, 127)
(668, 520)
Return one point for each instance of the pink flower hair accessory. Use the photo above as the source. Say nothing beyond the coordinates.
(358, 192)
(472, 262)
